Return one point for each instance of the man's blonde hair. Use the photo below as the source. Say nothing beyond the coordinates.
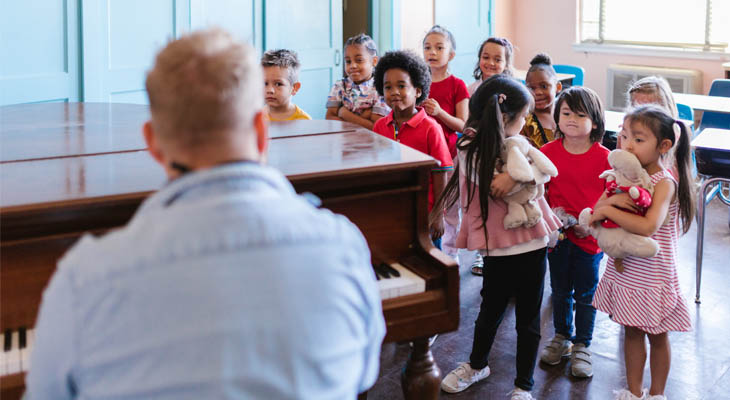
(203, 87)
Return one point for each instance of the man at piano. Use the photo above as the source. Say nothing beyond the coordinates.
(225, 283)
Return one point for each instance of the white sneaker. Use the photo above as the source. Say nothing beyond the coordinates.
(520, 394)
(462, 377)
(656, 397)
(625, 394)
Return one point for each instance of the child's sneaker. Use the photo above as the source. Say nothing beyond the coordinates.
(581, 364)
(656, 397)
(477, 266)
(520, 394)
(558, 348)
(624, 394)
(462, 377)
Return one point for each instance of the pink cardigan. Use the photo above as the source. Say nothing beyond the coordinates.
(471, 233)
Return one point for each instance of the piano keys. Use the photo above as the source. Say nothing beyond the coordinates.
(380, 185)
(17, 344)
(397, 281)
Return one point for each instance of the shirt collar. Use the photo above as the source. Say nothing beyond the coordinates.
(413, 122)
(220, 176)
(350, 83)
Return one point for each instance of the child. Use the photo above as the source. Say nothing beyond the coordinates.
(574, 262)
(654, 90)
(354, 98)
(448, 100)
(544, 85)
(281, 82)
(403, 79)
(448, 103)
(514, 259)
(645, 298)
(495, 57)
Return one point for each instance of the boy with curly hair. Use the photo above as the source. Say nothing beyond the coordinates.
(404, 80)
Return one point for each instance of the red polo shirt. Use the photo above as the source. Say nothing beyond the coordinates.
(422, 133)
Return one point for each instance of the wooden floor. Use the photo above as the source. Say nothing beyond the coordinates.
(700, 359)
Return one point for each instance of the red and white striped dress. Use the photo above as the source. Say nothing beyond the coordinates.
(647, 294)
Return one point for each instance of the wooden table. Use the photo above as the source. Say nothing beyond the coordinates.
(700, 102)
(566, 79)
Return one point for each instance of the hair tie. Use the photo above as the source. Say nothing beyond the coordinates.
(501, 98)
(677, 128)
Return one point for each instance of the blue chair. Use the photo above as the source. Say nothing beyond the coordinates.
(579, 72)
(685, 112)
(720, 87)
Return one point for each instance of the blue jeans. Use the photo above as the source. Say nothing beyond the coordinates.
(573, 279)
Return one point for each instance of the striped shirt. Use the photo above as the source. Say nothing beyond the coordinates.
(647, 294)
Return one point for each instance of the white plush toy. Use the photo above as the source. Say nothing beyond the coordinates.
(627, 176)
(531, 169)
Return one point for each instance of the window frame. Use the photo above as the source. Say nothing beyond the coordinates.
(707, 46)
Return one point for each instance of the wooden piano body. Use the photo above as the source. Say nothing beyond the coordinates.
(66, 169)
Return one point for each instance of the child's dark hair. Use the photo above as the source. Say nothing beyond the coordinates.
(581, 99)
(542, 62)
(440, 30)
(407, 61)
(363, 40)
(498, 96)
(284, 59)
(508, 51)
(662, 125)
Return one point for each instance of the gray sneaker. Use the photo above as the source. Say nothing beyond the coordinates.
(581, 365)
(554, 351)
(462, 377)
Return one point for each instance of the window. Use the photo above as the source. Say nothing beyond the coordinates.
(698, 24)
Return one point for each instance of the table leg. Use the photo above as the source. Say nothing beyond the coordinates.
(421, 378)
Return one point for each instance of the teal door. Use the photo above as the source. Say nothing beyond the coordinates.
(242, 18)
(470, 23)
(313, 29)
(39, 51)
(120, 39)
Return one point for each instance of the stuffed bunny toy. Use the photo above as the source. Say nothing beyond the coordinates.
(630, 177)
(531, 169)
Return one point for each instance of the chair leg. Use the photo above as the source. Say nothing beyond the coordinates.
(701, 202)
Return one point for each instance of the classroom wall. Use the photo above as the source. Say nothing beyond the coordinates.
(416, 22)
(524, 22)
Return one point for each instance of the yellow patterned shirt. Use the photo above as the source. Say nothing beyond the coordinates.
(532, 132)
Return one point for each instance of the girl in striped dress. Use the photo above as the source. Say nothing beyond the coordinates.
(645, 298)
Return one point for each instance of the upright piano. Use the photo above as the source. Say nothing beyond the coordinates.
(71, 168)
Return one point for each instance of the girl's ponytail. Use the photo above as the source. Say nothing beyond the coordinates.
(685, 192)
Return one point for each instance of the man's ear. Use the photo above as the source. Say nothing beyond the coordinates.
(153, 146)
(261, 126)
(295, 88)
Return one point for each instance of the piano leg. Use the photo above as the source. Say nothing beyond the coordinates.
(421, 378)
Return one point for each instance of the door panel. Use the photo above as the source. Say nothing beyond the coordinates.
(39, 51)
(314, 30)
(242, 18)
(120, 40)
(469, 22)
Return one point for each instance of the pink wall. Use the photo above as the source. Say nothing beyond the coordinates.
(551, 26)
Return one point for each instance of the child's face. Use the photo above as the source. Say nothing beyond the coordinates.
(398, 90)
(574, 124)
(277, 87)
(492, 61)
(543, 89)
(638, 139)
(359, 63)
(437, 50)
(512, 128)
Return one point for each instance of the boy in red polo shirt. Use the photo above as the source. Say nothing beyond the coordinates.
(403, 79)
